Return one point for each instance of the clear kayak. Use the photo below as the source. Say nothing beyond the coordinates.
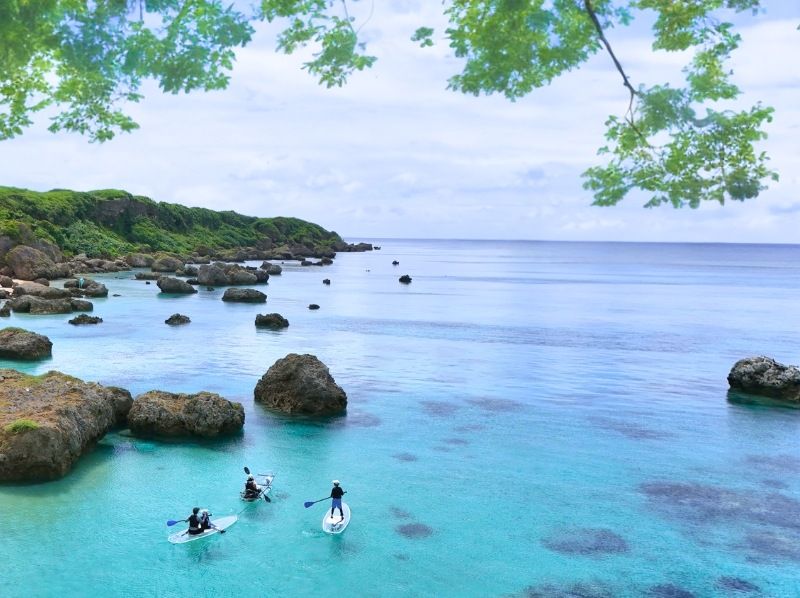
(265, 482)
(221, 523)
(335, 524)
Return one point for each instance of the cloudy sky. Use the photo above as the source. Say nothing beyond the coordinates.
(394, 154)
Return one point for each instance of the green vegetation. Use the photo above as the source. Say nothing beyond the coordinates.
(679, 145)
(109, 223)
(21, 425)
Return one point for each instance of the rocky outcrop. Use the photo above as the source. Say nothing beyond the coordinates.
(139, 260)
(766, 377)
(16, 343)
(39, 290)
(81, 264)
(86, 287)
(300, 384)
(49, 421)
(220, 274)
(313, 306)
(5, 311)
(29, 304)
(244, 296)
(84, 319)
(177, 319)
(274, 321)
(81, 305)
(29, 264)
(175, 285)
(205, 414)
(6, 282)
(326, 281)
(405, 279)
(271, 269)
(166, 263)
(147, 275)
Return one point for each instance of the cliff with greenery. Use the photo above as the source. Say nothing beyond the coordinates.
(109, 223)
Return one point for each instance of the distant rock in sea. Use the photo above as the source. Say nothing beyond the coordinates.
(84, 319)
(766, 377)
(300, 384)
(405, 279)
(17, 343)
(273, 321)
(244, 296)
(177, 319)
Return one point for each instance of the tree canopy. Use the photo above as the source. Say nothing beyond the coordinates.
(84, 59)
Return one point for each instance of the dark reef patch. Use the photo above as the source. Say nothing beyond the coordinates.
(414, 531)
(405, 457)
(496, 405)
(767, 546)
(585, 542)
(469, 428)
(774, 463)
(774, 484)
(360, 419)
(668, 590)
(282, 495)
(399, 513)
(630, 429)
(456, 441)
(401, 556)
(735, 584)
(439, 408)
(578, 590)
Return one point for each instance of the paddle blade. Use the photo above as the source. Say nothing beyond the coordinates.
(172, 522)
(267, 498)
(308, 503)
(247, 470)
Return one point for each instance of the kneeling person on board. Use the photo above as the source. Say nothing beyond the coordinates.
(336, 495)
(195, 526)
(205, 521)
(251, 489)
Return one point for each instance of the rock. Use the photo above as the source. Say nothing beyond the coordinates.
(212, 275)
(326, 261)
(35, 289)
(6, 282)
(244, 296)
(49, 421)
(147, 276)
(175, 285)
(81, 305)
(326, 281)
(272, 269)
(5, 311)
(242, 277)
(766, 377)
(176, 319)
(306, 263)
(300, 384)
(158, 413)
(43, 281)
(405, 279)
(95, 289)
(84, 319)
(4, 294)
(139, 260)
(395, 263)
(190, 270)
(38, 306)
(313, 306)
(166, 263)
(273, 321)
(29, 263)
(16, 343)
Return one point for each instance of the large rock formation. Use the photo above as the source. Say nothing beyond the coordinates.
(300, 384)
(49, 421)
(766, 377)
(86, 287)
(177, 319)
(206, 414)
(29, 264)
(272, 269)
(16, 343)
(244, 296)
(30, 304)
(274, 321)
(139, 260)
(35, 289)
(166, 263)
(220, 274)
(175, 285)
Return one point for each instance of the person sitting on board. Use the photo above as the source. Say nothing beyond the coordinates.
(336, 495)
(251, 489)
(205, 521)
(195, 526)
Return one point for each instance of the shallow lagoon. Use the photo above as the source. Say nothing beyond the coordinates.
(525, 419)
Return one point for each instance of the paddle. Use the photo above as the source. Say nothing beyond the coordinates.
(313, 502)
(172, 522)
(263, 493)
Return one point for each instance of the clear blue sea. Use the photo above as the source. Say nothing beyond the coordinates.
(525, 419)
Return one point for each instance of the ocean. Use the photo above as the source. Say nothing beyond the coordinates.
(525, 419)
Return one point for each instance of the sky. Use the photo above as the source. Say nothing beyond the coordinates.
(395, 154)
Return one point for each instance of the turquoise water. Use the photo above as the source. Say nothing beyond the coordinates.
(525, 419)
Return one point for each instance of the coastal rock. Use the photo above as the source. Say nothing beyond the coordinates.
(35, 289)
(177, 319)
(6, 282)
(81, 305)
(271, 269)
(166, 263)
(242, 277)
(273, 321)
(212, 275)
(190, 271)
(244, 296)
(300, 384)
(158, 413)
(175, 285)
(42, 281)
(16, 343)
(766, 377)
(313, 306)
(139, 260)
(326, 261)
(84, 319)
(49, 421)
(38, 306)
(147, 276)
(4, 294)
(29, 263)
(95, 289)
(326, 281)
(395, 263)
(405, 279)
(5, 311)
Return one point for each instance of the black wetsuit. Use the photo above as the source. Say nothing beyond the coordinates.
(194, 525)
(250, 489)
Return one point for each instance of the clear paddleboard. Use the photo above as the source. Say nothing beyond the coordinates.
(221, 523)
(335, 524)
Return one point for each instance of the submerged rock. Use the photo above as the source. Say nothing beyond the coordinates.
(274, 321)
(300, 384)
(766, 377)
(177, 319)
(16, 343)
(49, 421)
(158, 413)
(244, 296)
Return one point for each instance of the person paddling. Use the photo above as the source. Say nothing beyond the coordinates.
(195, 526)
(251, 489)
(336, 495)
(205, 522)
